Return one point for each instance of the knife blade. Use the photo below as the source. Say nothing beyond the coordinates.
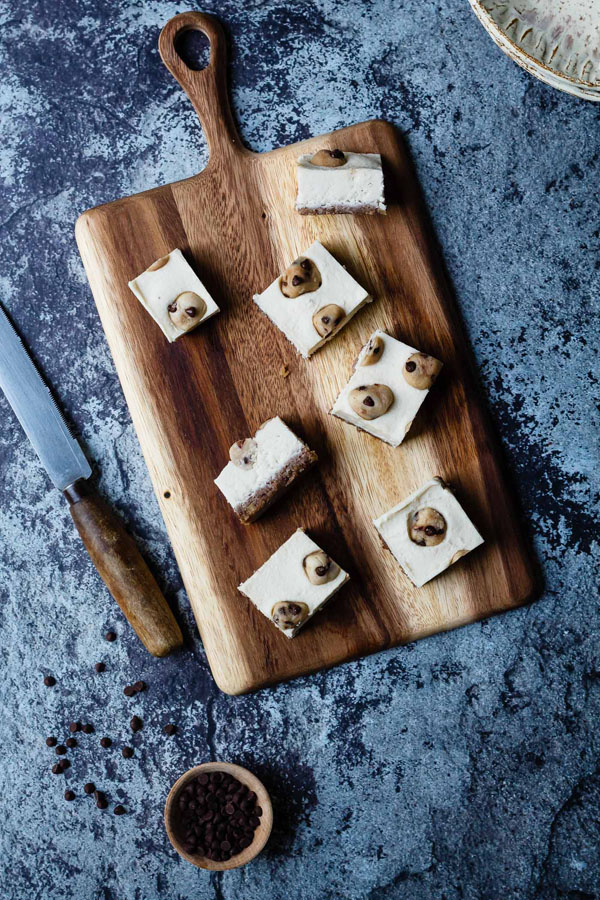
(111, 549)
(34, 407)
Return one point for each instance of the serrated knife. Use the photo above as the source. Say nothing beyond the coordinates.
(112, 550)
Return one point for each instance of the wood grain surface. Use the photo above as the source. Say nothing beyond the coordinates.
(236, 224)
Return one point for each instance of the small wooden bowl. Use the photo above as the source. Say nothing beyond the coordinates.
(261, 835)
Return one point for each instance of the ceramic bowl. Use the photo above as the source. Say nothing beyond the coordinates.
(557, 41)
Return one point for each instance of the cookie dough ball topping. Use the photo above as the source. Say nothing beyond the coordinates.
(302, 277)
(427, 527)
(319, 568)
(371, 400)
(330, 158)
(327, 319)
(421, 370)
(289, 614)
(373, 351)
(243, 454)
(187, 310)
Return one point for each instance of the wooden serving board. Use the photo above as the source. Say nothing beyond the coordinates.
(189, 401)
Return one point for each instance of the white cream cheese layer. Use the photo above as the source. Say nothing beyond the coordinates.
(277, 446)
(293, 315)
(156, 290)
(283, 578)
(359, 182)
(421, 564)
(393, 425)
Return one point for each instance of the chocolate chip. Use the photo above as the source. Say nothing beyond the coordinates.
(101, 801)
(368, 401)
(100, 667)
(49, 681)
(410, 366)
(110, 636)
(64, 764)
(191, 311)
(296, 280)
(61, 749)
(87, 729)
(203, 779)
(71, 742)
(127, 752)
(170, 729)
(337, 154)
(120, 810)
(136, 723)
(51, 742)
(105, 742)
(172, 307)
(56, 769)
(140, 685)
(69, 795)
(129, 690)
(74, 727)
(89, 788)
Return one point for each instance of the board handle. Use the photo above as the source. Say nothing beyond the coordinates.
(206, 88)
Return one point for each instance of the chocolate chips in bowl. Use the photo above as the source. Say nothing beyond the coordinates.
(218, 816)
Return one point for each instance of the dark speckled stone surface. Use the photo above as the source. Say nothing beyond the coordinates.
(466, 766)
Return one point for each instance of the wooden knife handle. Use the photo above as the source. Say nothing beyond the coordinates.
(206, 88)
(121, 567)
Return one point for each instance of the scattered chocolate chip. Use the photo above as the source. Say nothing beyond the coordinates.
(368, 401)
(139, 686)
(337, 154)
(49, 681)
(56, 769)
(64, 764)
(61, 749)
(296, 280)
(170, 729)
(74, 726)
(71, 742)
(87, 729)
(129, 690)
(89, 788)
(69, 795)
(100, 667)
(51, 742)
(110, 636)
(136, 723)
(120, 810)
(101, 801)
(172, 307)
(410, 366)
(105, 742)
(127, 752)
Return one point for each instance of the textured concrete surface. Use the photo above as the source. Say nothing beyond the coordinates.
(466, 766)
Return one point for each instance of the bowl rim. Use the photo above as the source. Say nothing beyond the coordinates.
(261, 835)
(500, 36)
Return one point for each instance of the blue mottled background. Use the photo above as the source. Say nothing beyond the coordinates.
(466, 766)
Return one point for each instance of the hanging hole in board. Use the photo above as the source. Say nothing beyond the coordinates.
(193, 47)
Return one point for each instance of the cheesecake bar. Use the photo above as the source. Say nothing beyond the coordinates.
(262, 468)
(389, 383)
(173, 294)
(428, 532)
(333, 181)
(294, 583)
(313, 299)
